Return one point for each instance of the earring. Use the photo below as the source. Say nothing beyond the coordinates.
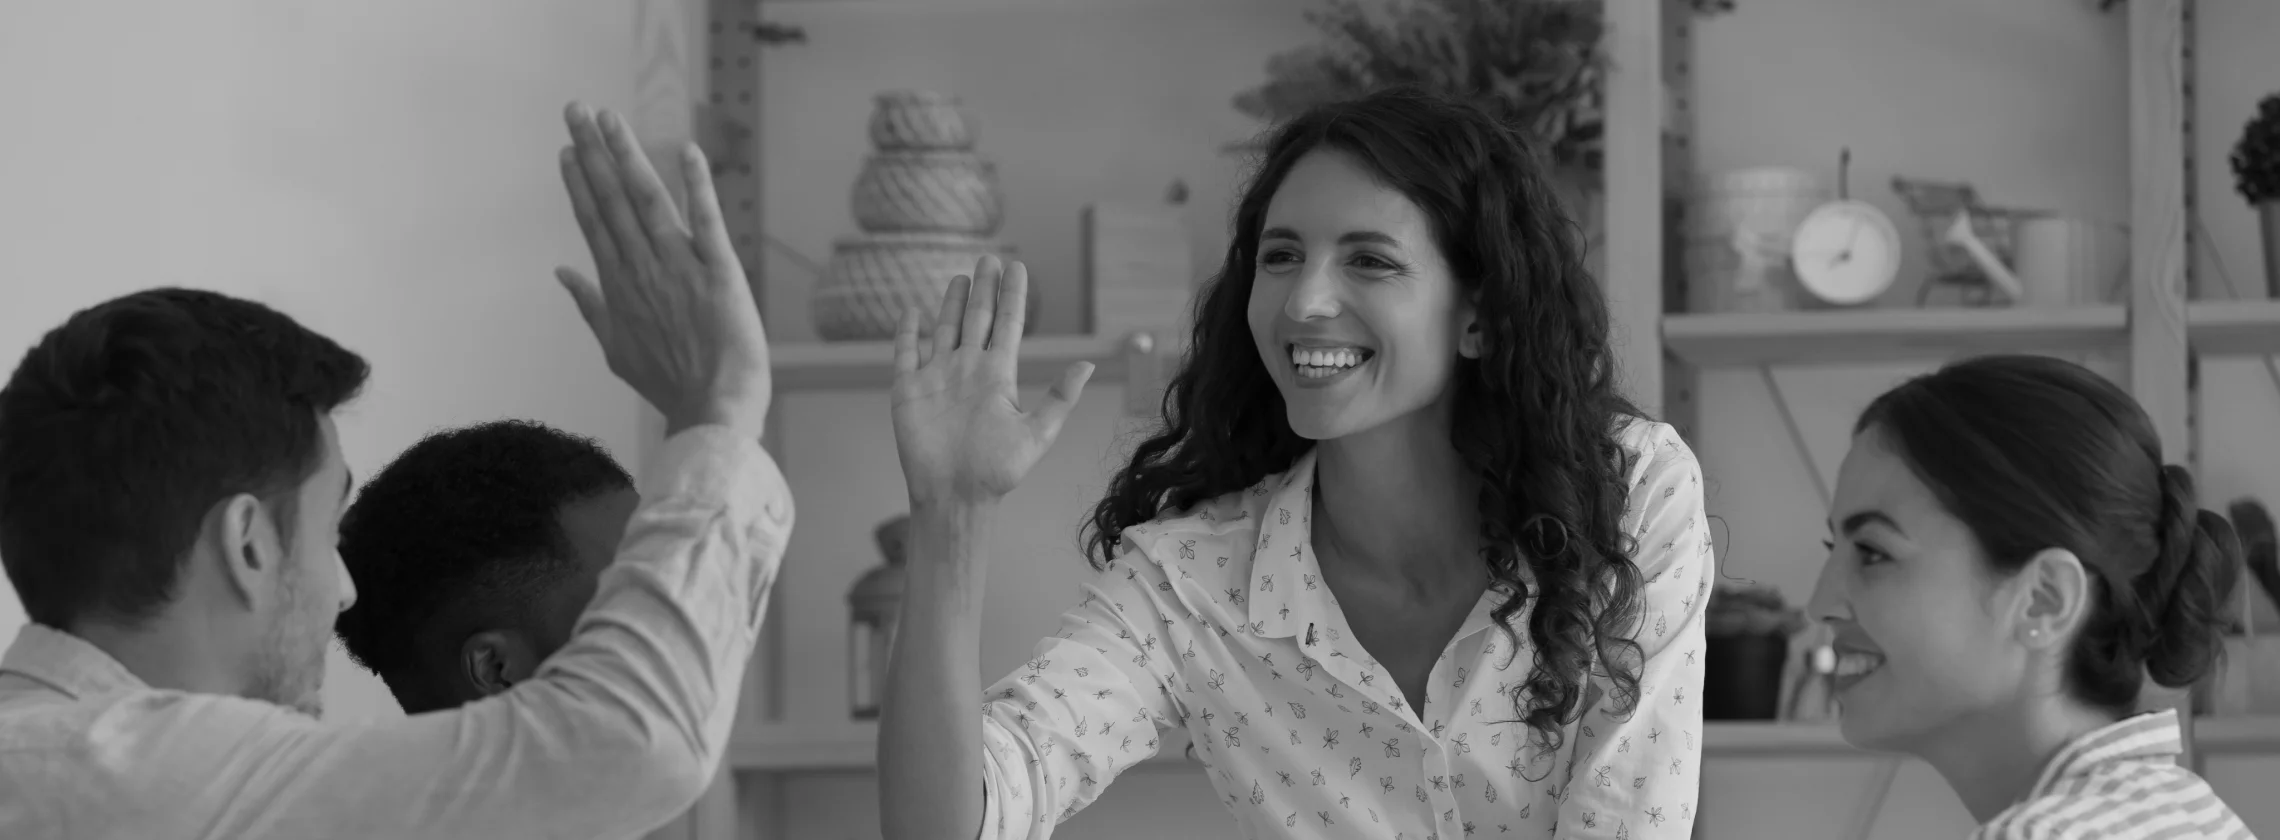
(2034, 633)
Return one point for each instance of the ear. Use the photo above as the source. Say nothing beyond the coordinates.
(1470, 340)
(2055, 600)
(244, 540)
(492, 661)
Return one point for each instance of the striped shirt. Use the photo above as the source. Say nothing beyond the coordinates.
(2120, 782)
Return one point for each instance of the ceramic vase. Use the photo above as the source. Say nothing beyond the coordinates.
(875, 276)
(2268, 216)
(928, 206)
(916, 119)
(928, 192)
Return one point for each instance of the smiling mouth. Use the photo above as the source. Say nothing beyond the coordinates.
(1325, 362)
(1854, 666)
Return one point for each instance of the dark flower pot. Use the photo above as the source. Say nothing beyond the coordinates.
(1741, 677)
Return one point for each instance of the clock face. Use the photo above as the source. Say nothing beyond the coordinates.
(1846, 252)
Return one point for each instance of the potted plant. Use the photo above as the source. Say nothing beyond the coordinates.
(2256, 173)
(1748, 628)
(1536, 63)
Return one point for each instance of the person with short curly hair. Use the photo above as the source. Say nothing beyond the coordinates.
(475, 551)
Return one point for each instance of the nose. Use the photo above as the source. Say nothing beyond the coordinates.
(347, 582)
(1828, 601)
(1314, 295)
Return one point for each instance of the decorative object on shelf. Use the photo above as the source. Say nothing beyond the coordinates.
(1971, 244)
(2256, 174)
(1846, 252)
(874, 606)
(1749, 628)
(1536, 63)
(2247, 679)
(928, 207)
(2064, 262)
(1738, 227)
(1139, 268)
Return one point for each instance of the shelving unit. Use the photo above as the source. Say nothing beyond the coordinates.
(1648, 164)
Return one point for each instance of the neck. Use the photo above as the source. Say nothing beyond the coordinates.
(1398, 502)
(1993, 760)
(168, 651)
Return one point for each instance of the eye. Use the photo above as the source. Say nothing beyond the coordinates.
(1372, 262)
(1869, 555)
(1278, 256)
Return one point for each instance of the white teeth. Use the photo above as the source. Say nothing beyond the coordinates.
(1335, 358)
(1852, 664)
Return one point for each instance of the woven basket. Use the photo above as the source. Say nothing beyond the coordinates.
(928, 192)
(916, 120)
(874, 277)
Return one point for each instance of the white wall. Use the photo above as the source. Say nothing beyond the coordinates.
(382, 171)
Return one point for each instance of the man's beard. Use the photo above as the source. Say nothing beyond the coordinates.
(290, 668)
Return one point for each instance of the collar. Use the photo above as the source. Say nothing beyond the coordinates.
(1284, 555)
(2149, 737)
(1286, 597)
(67, 663)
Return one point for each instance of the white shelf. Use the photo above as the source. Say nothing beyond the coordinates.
(1883, 335)
(2234, 327)
(865, 365)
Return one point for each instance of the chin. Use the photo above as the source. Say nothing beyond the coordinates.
(1317, 424)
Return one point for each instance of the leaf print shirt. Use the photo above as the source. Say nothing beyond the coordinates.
(1216, 620)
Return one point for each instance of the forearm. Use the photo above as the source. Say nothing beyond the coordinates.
(930, 728)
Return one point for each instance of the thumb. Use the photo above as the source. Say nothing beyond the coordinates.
(588, 296)
(1059, 400)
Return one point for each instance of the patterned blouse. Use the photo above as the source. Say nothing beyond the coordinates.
(2120, 782)
(1217, 621)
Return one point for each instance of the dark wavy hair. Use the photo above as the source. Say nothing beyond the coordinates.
(2032, 453)
(1537, 415)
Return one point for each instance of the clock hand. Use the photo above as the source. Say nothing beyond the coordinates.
(1846, 255)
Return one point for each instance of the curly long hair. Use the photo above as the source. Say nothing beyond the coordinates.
(1537, 415)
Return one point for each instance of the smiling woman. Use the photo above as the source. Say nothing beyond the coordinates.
(2011, 559)
(1401, 561)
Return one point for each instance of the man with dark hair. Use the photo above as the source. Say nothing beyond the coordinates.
(474, 553)
(171, 487)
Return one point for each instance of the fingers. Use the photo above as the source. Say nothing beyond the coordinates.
(946, 324)
(906, 343)
(975, 332)
(1012, 308)
(652, 203)
(600, 167)
(590, 225)
(706, 226)
(588, 296)
(1046, 421)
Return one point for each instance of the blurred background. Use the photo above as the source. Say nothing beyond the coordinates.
(2050, 175)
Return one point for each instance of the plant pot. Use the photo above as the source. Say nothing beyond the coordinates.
(1741, 676)
(928, 192)
(917, 120)
(874, 277)
(2269, 214)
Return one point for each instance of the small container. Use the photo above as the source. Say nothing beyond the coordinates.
(874, 606)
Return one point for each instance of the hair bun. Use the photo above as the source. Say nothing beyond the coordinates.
(2183, 592)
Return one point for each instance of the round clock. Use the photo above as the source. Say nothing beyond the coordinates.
(1846, 252)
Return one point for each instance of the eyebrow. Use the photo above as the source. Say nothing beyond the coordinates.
(1353, 237)
(1865, 518)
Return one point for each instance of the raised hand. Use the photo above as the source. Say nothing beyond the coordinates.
(668, 300)
(960, 429)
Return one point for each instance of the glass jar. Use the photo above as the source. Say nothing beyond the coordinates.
(873, 606)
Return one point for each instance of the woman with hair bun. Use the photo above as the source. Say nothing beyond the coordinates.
(2010, 562)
